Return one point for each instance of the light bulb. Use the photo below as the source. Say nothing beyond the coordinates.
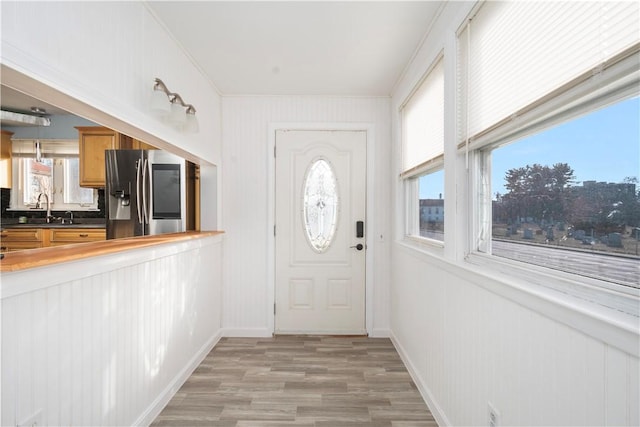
(160, 103)
(191, 126)
(177, 117)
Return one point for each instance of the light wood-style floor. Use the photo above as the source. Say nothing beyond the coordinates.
(299, 381)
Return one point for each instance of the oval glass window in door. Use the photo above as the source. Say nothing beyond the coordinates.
(320, 205)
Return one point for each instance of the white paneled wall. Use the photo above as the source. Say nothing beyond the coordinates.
(469, 342)
(245, 182)
(108, 346)
(468, 346)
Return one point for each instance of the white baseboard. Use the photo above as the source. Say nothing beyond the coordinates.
(161, 401)
(380, 333)
(426, 394)
(247, 333)
(265, 333)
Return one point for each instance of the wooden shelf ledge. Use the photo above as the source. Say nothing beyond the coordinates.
(31, 258)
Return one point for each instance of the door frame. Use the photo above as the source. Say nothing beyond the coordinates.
(370, 217)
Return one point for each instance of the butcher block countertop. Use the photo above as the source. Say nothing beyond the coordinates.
(30, 258)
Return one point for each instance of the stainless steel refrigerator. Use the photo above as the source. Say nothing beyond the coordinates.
(145, 193)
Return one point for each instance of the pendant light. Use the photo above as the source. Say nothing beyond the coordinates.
(38, 147)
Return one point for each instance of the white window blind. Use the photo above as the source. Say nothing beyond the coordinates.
(423, 122)
(50, 148)
(514, 54)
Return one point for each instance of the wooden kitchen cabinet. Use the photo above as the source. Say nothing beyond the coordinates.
(141, 145)
(5, 160)
(66, 236)
(21, 238)
(92, 142)
(15, 239)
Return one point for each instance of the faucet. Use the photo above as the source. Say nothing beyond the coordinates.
(49, 217)
(70, 221)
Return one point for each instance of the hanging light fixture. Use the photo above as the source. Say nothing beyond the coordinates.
(39, 111)
(174, 110)
(38, 151)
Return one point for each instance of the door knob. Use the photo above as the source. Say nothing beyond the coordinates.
(359, 246)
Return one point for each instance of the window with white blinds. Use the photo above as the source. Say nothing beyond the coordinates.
(423, 123)
(514, 55)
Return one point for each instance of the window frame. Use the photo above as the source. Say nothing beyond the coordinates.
(434, 163)
(412, 206)
(585, 98)
(57, 200)
(68, 180)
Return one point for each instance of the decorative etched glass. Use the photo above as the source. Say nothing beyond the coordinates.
(320, 205)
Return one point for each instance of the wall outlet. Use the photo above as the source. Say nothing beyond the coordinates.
(493, 416)
(33, 420)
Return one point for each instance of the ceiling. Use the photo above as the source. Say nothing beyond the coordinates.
(299, 47)
(14, 101)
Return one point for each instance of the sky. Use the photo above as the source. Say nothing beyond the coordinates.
(600, 146)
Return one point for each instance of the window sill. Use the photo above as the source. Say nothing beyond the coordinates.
(58, 207)
(423, 243)
(606, 314)
(574, 303)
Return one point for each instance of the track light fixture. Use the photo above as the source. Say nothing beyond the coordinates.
(174, 110)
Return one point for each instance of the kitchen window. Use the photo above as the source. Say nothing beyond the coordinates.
(54, 174)
(423, 157)
(553, 145)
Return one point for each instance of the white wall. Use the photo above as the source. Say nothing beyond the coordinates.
(98, 61)
(246, 158)
(108, 340)
(468, 346)
(470, 339)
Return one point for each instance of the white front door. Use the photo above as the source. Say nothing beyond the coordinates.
(320, 236)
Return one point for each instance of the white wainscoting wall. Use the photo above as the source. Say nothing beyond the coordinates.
(470, 341)
(245, 216)
(467, 347)
(108, 340)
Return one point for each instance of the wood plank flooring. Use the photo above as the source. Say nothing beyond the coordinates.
(309, 381)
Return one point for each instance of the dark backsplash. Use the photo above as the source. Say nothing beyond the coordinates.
(5, 197)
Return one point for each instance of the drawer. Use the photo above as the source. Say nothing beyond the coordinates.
(21, 235)
(64, 236)
(18, 246)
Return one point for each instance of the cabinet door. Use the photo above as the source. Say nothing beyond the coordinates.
(23, 238)
(5, 160)
(67, 236)
(93, 141)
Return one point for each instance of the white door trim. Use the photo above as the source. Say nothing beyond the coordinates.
(370, 221)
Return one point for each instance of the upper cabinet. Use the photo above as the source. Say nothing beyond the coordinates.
(92, 143)
(5, 160)
(140, 145)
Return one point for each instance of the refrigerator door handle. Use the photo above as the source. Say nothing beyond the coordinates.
(138, 182)
(146, 171)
